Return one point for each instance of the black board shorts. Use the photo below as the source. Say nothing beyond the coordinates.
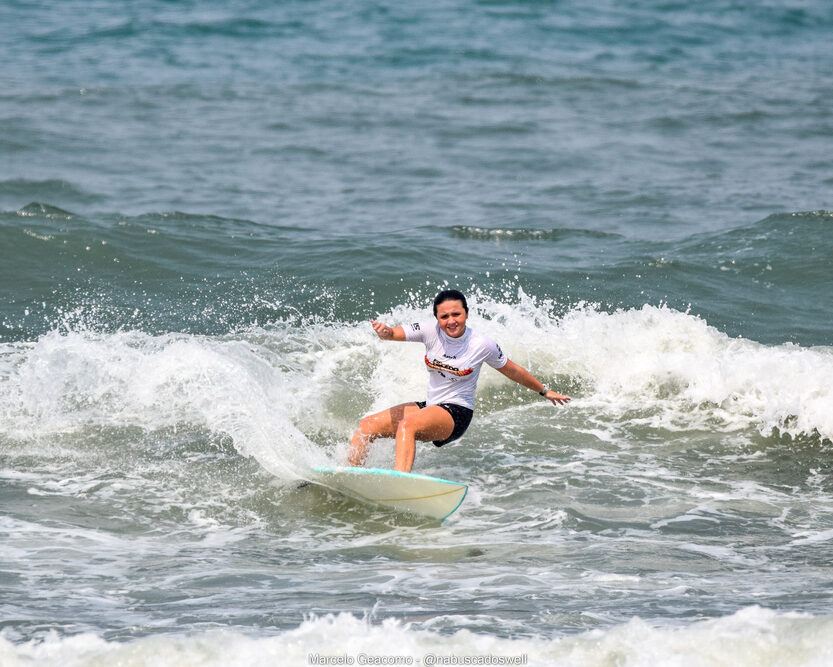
(461, 416)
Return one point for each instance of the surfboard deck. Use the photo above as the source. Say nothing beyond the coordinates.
(400, 491)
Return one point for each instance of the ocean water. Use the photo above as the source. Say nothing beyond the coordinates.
(203, 204)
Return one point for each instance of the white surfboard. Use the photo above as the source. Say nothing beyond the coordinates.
(400, 491)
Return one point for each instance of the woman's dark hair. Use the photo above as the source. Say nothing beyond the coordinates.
(450, 295)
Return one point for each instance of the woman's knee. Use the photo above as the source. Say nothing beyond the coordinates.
(369, 424)
(416, 424)
(427, 424)
(376, 425)
(407, 424)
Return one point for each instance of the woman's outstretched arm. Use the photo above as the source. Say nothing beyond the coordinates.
(523, 377)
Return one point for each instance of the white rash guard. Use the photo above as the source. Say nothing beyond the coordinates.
(454, 363)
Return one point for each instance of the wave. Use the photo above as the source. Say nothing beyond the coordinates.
(290, 393)
(44, 212)
(171, 220)
(768, 281)
(752, 636)
(522, 234)
(66, 383)
(656, 357)
(47, 189)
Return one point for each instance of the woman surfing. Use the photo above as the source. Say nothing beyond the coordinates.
(454, 355)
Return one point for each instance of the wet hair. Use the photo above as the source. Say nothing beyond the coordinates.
(450, 295)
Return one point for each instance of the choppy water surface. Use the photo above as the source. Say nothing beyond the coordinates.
(201, 205)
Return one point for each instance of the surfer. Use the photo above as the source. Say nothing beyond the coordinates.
(454, 355)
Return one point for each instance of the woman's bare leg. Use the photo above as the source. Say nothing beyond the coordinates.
(430, 423)
(379, 425)
(407, 423)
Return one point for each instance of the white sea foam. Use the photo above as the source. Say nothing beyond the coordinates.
(753, 636)
(65, 382)
(278, 390)
(669, 369)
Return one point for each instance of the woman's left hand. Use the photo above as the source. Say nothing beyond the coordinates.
(555, 398)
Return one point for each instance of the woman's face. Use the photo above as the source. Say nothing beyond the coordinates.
(452, 318)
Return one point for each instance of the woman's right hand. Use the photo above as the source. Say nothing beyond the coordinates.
(382, 330)
(387, 333)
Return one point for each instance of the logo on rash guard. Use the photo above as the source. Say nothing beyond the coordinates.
(438, 365)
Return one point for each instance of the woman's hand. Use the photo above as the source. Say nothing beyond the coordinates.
(555, 398)
(382, 330)
(387, 333)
